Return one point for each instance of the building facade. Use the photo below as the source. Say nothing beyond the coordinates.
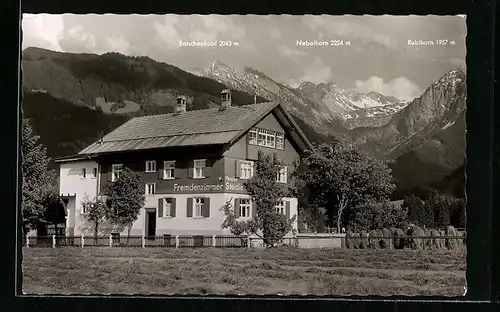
(78, 180)
(190, 163)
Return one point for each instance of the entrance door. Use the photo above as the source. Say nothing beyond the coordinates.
(151, 223)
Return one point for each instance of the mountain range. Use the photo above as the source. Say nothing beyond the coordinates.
(72, 98)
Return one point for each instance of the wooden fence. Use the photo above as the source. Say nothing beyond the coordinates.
(220, 241)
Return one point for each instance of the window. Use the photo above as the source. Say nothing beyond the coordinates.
(280, 140)
(150, 166)
(246, 170)
(252, 137)
(280, 207)
(84, 208)
(168, 171)
(198, 207)
(84, 173)
(150, 188)
(116, 171)
(244, 207)
(199, 165)
(281, 176)
(270, 141)
(167, 209)
(262, 139)
(94, 172)
(267, 138)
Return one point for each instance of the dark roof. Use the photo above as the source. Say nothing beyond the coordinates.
(191, 128)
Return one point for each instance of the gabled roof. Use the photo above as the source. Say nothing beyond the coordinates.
(191, 128)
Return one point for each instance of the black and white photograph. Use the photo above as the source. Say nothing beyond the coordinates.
(243, 155)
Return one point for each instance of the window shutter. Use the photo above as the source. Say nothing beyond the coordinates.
(160, 167)
(110, 175)
(237, 202)
(208, 168)
(238, 169)
(189, 208)
(254, 209)
(173, 208)
(190, 172)
(287, 209)
(206, 208)
(160, 207)
(176, 171)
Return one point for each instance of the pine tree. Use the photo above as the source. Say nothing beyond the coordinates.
(36, 180)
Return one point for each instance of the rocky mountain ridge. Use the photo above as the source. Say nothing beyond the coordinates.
(325, 106)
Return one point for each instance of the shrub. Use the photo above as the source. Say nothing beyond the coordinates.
(414, 242)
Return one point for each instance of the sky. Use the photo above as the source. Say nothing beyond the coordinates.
(375, 55)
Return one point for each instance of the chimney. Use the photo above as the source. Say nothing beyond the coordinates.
(180, 105)
(226, 99)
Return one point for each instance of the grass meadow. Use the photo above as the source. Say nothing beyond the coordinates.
(286, 271)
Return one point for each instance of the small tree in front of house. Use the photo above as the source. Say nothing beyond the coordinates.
(267, 223)
(339, 177)
(96, 212)
(125, 198)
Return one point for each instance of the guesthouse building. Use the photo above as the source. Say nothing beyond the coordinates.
(191, 163)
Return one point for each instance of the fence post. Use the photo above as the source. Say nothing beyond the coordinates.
(83, 241)
(249, 242)
(177, 241)
(110, 240)
(53, 241)
(143, 241)
(27, 241)
(213, 241)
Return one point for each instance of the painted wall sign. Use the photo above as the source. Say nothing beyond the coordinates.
(230, 185)
(234, 185)
(198, 187)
